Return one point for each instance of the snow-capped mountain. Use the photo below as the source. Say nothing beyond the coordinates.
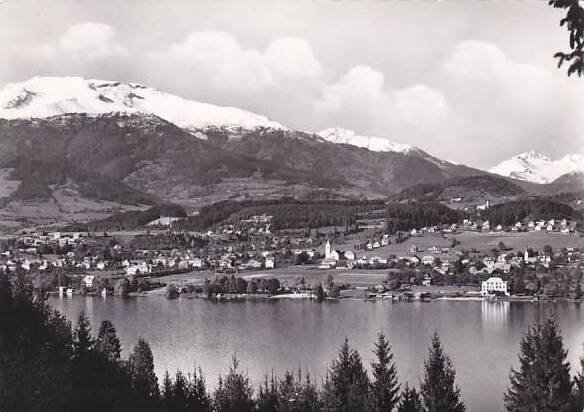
(42, 97)
(131, 144)
(537, 168)
(375, 144)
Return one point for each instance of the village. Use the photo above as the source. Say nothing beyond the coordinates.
(527, 260)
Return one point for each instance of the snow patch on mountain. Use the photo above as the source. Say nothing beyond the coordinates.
(42, 97)
(537, 168)
(375, 144)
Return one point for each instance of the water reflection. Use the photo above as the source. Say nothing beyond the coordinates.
(495, 313)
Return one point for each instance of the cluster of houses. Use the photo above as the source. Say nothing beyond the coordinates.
(35, 239)
(471, 225)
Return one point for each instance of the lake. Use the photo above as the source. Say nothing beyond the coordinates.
(482, 338)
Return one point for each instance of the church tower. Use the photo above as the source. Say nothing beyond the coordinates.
(327, 250)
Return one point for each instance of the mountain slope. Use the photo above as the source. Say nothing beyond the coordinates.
(146, 145)
(537, 168)
(42, 97)
(375, 144)
(468, 189)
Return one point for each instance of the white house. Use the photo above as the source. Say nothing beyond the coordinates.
(335, 255)
(140, 268)
(494, 284)
(349, 255)
(270, 262)
(88, 281)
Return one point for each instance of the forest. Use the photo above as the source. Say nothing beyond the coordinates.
(509, 213)
(406, 216)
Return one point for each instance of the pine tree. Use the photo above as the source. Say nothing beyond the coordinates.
(542, 382)
(385, 386)
(107, 341)
(439, 392)
(35, 350)
(234, 393)
(296, 394)
(579, 388)
(166, 394)
(84, 365)
(82, 340)
(346, 387)
(144, 381)
(198, 398)
(410, 401)
(268, 395)
(180, 392)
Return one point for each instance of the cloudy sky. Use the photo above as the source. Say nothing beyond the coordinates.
(472, 82)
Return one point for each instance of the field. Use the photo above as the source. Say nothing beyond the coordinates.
(310, 273)
(483, 242)
(518, 241)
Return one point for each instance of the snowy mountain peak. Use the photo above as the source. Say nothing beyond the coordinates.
(42, 97)
(533, 154)
(537, 168)
(376, 144)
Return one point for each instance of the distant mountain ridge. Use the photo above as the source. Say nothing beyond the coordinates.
(375, 144)
(537, 168)
(131, 144)
(42, 97)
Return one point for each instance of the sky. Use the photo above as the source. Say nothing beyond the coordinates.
(473, 82)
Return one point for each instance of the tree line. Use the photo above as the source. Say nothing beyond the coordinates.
(406, 216)
(509, 213)
(130, 220)
(286, 212)
(46, 365)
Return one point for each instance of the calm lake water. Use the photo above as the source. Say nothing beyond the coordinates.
(482, 338)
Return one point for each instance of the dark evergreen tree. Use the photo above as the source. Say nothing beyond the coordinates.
(438, 389)
(234, 392)
(542, 382)
(82, 340)
(144, 382)
(166, 393)
(36, 349)
(574, 22)
(268, 395)
(84, 367)
(346, 387)
(410, 401)
(180, 393)
(107, 341)
(198, 398)
(296, 394)
(385, 386)
(579, 388)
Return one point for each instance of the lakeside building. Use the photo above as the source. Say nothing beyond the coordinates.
(494, 284)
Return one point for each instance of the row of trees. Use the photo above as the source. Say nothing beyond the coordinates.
(48, 366)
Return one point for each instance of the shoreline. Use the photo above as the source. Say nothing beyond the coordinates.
(160, 292)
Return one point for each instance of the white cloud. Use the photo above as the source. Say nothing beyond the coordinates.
(292, 57)
(228, 65)
(361, 93)
(508, 107)
(421, 103)
(86, 41)
(221, 59)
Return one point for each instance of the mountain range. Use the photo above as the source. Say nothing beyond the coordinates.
(81, 144)
(535, 167)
